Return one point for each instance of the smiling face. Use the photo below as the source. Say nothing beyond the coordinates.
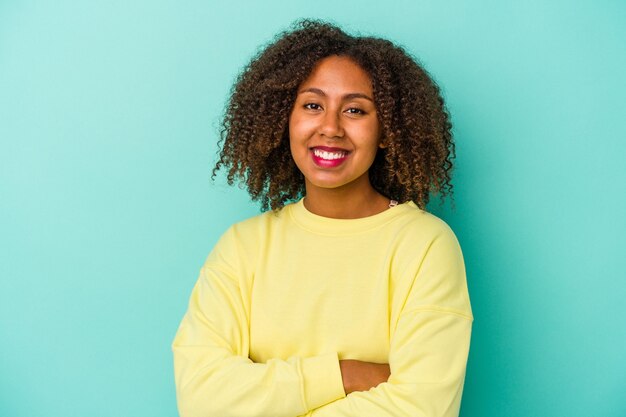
(334, 132)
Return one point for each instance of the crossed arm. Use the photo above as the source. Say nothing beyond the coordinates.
(424, 376)
(362, 376)
(214, 376)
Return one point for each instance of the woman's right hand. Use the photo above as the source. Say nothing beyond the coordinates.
(361, 376)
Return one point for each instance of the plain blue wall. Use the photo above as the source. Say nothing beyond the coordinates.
(108, 114)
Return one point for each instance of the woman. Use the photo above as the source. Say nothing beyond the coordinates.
(346, 298)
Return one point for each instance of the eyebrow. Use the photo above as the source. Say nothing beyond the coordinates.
(348, 96)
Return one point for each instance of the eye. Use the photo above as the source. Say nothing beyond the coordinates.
(355, 110)
(312, 106)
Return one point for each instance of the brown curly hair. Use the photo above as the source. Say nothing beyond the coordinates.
(416, 128)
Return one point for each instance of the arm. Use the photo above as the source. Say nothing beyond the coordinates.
(429, 345)
(361, 376)
(215, 377)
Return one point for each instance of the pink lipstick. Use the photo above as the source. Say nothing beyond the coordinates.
(327, 157)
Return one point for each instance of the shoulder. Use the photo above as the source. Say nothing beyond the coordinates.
(259, 224)
(245, 237)
(423, 239)
(418, 225)
(431, 261)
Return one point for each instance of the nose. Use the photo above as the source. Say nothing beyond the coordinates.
(330, 125)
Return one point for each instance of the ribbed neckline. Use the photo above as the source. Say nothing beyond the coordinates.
(330, 226)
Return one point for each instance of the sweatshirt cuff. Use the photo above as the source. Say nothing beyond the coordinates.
(322, 380)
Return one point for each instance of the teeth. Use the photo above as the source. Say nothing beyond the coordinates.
(329, 155)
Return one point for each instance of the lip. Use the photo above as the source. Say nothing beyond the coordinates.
(329, 149)
(328, 163)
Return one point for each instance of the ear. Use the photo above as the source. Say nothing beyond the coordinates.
(382, 144)
(382, 140)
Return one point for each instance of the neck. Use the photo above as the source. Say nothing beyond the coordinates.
(344, 203)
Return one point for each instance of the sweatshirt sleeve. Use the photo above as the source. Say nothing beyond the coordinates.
(215, 377)
(429, 345)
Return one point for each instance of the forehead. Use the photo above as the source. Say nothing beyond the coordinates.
(338, 74)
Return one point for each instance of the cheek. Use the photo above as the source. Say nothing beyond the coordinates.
(377, 133)
(293, 132)
(300, 126)
(292, 122)
(295, 140)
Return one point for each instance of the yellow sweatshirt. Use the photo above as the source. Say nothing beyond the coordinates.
(284, 296)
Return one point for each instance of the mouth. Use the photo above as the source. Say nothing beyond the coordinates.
(326, 157)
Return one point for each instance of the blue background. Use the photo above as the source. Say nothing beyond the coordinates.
(108, 127)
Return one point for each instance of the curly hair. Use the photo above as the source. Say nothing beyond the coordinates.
(416, 129)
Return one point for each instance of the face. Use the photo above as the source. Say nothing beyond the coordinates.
(334, 132)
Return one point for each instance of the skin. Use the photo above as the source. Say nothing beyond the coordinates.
(335, 108)
(362, 376)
